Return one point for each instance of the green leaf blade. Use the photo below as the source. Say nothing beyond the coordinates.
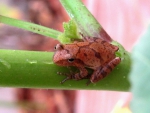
(140, 75)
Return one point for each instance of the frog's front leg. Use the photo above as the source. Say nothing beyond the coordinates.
(102, 72)
(82, 74)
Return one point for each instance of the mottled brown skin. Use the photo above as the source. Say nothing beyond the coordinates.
(93, 53)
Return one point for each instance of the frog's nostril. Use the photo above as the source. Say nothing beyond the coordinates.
(58, 47)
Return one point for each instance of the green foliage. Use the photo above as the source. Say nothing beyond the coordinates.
(140, 75)
(70, 33)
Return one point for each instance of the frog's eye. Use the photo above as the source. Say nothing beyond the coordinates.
(71, 60)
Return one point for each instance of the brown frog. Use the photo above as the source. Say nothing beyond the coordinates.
(93, 53)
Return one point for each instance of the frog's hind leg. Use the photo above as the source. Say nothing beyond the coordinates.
(103, 72)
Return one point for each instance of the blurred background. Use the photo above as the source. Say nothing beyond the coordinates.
(123, 20)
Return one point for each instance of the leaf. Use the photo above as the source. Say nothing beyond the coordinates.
(70, 33)
(140, 75)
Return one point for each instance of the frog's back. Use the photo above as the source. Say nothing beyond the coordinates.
(105, 50)
(93, 53)
(96, 53)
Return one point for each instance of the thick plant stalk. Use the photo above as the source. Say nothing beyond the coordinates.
(86, 23)
(29, 69)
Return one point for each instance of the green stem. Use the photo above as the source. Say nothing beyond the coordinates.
(86, 23)
(30, 27)
(29, 69)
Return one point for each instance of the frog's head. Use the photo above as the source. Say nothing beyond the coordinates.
(63, 57)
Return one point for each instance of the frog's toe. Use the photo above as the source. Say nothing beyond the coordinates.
(67, 78)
